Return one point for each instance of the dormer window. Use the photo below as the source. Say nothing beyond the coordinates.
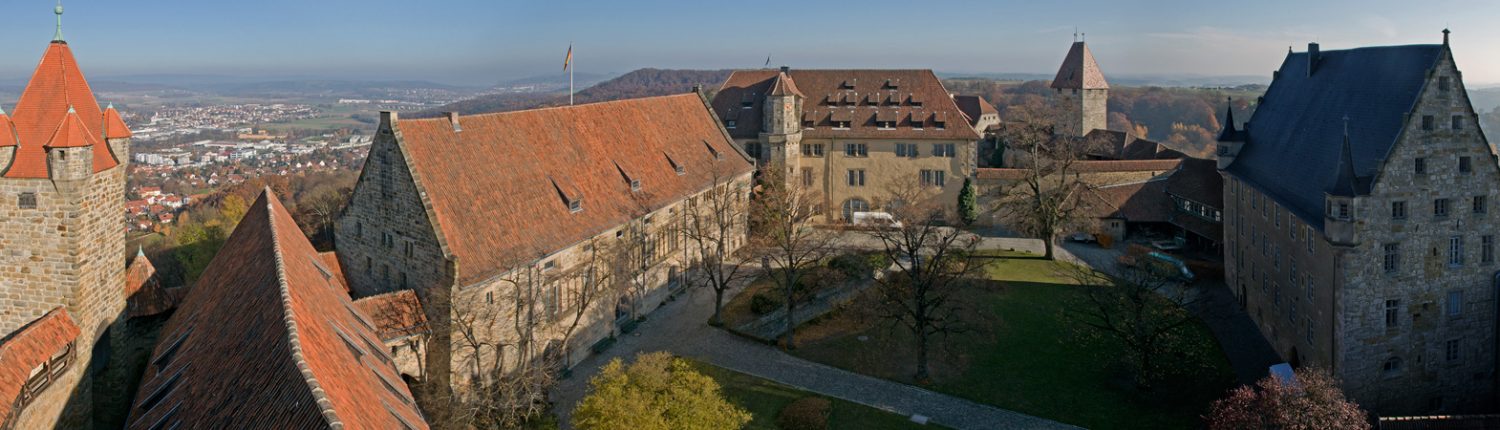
(939, 124)
(675, 166)
(730, 123)
(635, 185)
(575, 206)
(843, 125)
(713, 151)
(747, 104)
(885, 125)
(571, 196)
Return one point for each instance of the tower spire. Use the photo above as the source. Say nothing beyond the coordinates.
(58, 37)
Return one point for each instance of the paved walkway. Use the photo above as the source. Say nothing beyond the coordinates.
(679, 327)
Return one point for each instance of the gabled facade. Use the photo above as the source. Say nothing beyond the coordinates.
(472, 212)
(62, 187)
(852, 135)
(1359, 229)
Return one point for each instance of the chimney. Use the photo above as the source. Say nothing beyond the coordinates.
(698, 88)
(453, 118)
(388, 120)
(784, 69)
(1313, 56)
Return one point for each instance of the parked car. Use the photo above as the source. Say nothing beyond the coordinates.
(1082, 237)
(876, 220)
(1160, 264)
(1167, 245)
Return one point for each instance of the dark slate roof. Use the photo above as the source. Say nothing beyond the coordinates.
(1292, 150)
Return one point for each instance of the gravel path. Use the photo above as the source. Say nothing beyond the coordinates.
(679, 327)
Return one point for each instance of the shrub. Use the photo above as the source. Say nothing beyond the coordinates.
(855, 266)
(762, 303)
(807, 413)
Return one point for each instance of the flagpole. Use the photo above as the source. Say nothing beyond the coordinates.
(570, 74)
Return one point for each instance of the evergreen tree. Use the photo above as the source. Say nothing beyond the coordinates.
(968, 205)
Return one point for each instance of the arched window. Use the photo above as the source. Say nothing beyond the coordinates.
(855, 205)
(1392, 366)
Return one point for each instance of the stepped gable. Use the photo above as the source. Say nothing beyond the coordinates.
(265, 339)
(56, 88)
(29, 350)
(1079, 71)
(860, 97)
(496, 212)
(1294, 138)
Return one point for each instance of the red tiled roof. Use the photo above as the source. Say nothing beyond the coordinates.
(7, 131)
(56, 86)
(1088, 166)
(144, 294)
(265, 339)
(136, 275)
(783, 85)
(331, 262)
(974, 107)
(1079, 71)
(397, 314)
(846, 95)
(1135, 202)
(495, 218)
(114, 127)
(72, 134)
(29, 348)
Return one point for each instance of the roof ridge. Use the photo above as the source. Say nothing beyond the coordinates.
(494, 114)
(293, 338)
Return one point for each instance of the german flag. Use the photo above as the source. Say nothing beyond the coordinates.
(569, 59)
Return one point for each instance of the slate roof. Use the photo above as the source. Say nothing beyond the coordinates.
(1198, 180)
(1293, 138)
(857, 96)
(28, 348)
(497, 187)
(56, 87)
(265, 340)
(1079, 71)
(1120, 145)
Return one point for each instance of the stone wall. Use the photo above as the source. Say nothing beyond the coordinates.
(884, 171)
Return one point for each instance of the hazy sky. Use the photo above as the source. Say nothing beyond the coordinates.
(484, 41)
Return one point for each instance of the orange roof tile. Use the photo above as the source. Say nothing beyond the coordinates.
(265, 339)
(114, 127)
(29, 348)
(397, 314)
(144, 294)
(494, 219)
(136, 275)
(331, 262)
(71, 134)
(783, 85)
(7, 131)
(55, 86)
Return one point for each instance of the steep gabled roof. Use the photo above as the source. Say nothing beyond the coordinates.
(782, 85)
(56, 86)
(28, 349)
(114, 127)
(71, 134)
(1079, 71)
(1293, 139)
(500, 189)
(860, 96)
(265, 340)
(974, 107)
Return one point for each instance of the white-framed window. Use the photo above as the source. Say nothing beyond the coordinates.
(1455, 250)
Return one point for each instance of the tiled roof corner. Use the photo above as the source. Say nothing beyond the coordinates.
(30, 347)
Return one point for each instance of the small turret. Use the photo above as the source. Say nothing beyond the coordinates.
(1340, 198)
(116, 134)
(1231, 138)
(70, 158)
(781, 123)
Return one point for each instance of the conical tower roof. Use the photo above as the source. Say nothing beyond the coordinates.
(56, 86)
(1079, 71)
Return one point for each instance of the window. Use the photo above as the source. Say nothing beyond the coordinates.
(1444, 83)
(812, 150)
(906, 150)
(1450, 350)
(1487, 249)
(1392, 366)
(807, 177)
(27, 201)
(1392, 261)
(885, 125)
(1421, 166)
(1427, 122)
(856, 177)
(753, 148)
(1480, 205)
(1398, 211)
(1458, 122)
(729, 123)
(1309, 330)
(943, 150)
(1392, 308)
(856, 150)
(1464, 166)
(575, 206)
(1440, 208)
(1456, 251)
(1344, 211)
(1455, 305)
(369, 266)
(854, 205)
(933, 178)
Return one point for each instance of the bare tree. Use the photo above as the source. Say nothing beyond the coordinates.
(1140, 309)
(932, 263)
(716, 225)
(1039, 204)
(788, 245)
(593, 285)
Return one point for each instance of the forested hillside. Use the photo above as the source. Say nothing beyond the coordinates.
(639, 83)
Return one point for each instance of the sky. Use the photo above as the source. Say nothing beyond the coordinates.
(481, 42)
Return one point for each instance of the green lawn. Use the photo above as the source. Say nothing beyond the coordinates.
(1024, 355)
(764, 399)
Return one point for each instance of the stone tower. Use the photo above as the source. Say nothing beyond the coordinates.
(781, 134)
(62, 195)
(1082, 94)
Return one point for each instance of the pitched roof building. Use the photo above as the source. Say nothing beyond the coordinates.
(267, 339)
(1082, 93)
(1358, 231)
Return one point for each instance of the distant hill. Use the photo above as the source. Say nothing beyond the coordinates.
(639, 83)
